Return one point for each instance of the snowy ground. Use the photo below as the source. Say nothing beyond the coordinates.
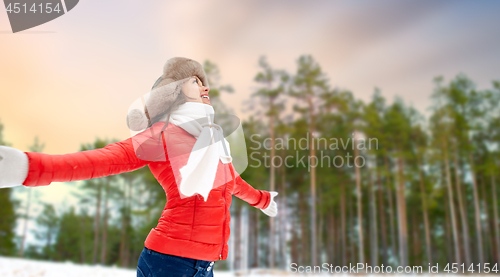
(15, 267)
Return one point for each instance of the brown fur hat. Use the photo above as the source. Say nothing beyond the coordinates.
(165, 90)
(178, 68)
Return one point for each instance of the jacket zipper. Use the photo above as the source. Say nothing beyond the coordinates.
(224, 222)
(194, 216)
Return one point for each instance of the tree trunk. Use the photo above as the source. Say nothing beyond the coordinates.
(461, 205)
(402, 219)
(294, 249)
(489, 241)
(414, 237)
(359, 197)
(97, 222)
(283, 217)
(343, 225)
(331, 238)
(257, 241)
(495, 217)
(272, 185)
(312, 154)
(449, 244)
(352, 247)
(256, 262)
(49, 243)
(476, 211)
(128, 222)
(104, 248)
(303, 231)
(25, 228)
(391, 210)
(83, 227)
(124, 240)
(382, 217)
(245, 238)
(320, 233)
(373, 222)
(237, 239)
(424, 211)
(338, 241)
(124, 222)
(454, 227)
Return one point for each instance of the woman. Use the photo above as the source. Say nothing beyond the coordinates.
(190, 159)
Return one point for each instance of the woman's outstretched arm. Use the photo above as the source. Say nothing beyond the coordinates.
(257, 198)
(260, 199)
(36, 169)
(113, 159)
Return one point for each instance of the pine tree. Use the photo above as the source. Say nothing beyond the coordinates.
(309, 82)
(273, 86)
(47, 223)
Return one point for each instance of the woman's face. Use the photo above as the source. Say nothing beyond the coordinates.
(195, 90)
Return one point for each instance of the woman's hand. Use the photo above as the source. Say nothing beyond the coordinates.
(272, 209)
(14, 166)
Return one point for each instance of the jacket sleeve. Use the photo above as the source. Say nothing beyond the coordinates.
(257, 198)
(113, 159)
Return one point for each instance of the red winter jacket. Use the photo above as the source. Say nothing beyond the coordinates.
(188, 227)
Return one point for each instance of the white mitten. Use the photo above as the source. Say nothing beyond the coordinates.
(272, 209)
(14, 165)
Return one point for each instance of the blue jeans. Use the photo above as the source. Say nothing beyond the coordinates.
(155, 264)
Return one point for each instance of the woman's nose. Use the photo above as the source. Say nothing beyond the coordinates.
(205, 89)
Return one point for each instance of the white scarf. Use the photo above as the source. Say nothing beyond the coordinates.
(198, 174)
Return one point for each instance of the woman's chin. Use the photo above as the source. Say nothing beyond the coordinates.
(206, 102)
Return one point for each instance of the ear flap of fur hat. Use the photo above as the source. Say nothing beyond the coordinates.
(158, 101)
(162, 97)
(137, 120)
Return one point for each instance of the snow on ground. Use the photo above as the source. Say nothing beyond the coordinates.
(15, 267)
(10, 267)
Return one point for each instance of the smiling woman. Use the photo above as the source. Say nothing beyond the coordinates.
(184, 80)
(193, 165)
(195, 89)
